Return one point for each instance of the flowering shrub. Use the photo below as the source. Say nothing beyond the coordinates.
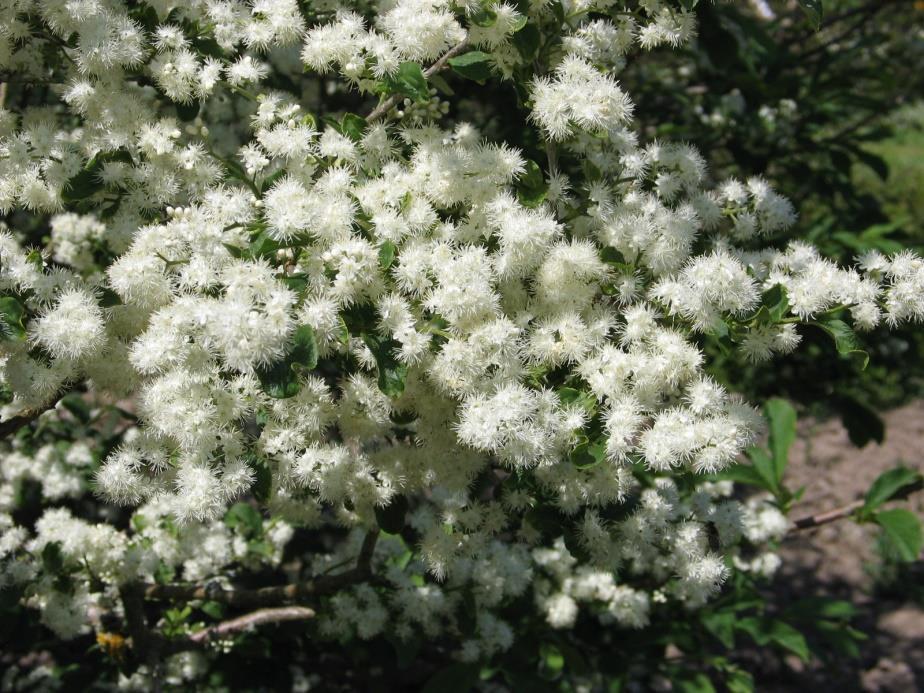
(382, 374)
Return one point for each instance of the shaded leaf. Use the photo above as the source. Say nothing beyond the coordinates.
(844, 340)
(531, 186)
(391, 517)
(889, 484)
(11, 315)
(814, 10)
(474, 65)
(280, 380)
(409, 81)
(903, 528)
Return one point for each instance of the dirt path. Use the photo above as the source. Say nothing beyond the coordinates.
(839, 559)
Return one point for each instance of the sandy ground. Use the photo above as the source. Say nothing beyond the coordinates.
(839, 559)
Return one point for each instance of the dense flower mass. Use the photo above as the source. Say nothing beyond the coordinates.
(355, 318)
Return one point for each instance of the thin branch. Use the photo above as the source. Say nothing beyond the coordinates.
(146, 644)
(828, 516)
(10, 426)
(439, 65)
(250, 621)
(364, 561)
(279, 594)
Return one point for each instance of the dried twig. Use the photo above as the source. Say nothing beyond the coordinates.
(248, 622)
(827, 516)
(439, 65)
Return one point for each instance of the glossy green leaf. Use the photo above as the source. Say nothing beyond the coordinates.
(353, 126)
(781, 418)
(531, 186)
(891, 484)
(844, 340)
(474, 65)
(903, 528)
(11, 315)
(409, 81)
(392, 374)
(387, 254)
(245, 517)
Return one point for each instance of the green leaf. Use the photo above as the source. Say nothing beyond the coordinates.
(526, 41)
(774, 305)
(11, 315)
(386, 255)
(531, 186)
(391, 517)
(85, 183)
(52, 558)
(903, 528)
(245, 517)
(814, 10)
(790, 639)
(484, 18)
(696, 683)
(409, 81)
(782, 419)
(352, 126)
(570, 395)
(262, 245)
(263, 485)
(474, 65)
(745, 474)
(392, 373)
(77, 406)
(770, 630)
(765, 468)
(214, 609)
(844, 340)
(739, 681)
(890, 484)
(588, 454)
(280, 380)
(721, 624)
(875, 162)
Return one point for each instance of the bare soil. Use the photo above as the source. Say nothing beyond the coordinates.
(840, 560)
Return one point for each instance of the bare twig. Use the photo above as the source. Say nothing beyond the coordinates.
(439, 65)
(276, 595)
(10, 426)
(249, 621)
(828, 516)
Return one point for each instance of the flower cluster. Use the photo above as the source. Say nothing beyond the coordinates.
(355, 319)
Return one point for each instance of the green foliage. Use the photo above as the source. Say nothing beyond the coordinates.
(281, 379)
(903, 529)
(11, 316)
(409, 81)
(392, 374)
(892, 484)
(474, 65)
(844, 340)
